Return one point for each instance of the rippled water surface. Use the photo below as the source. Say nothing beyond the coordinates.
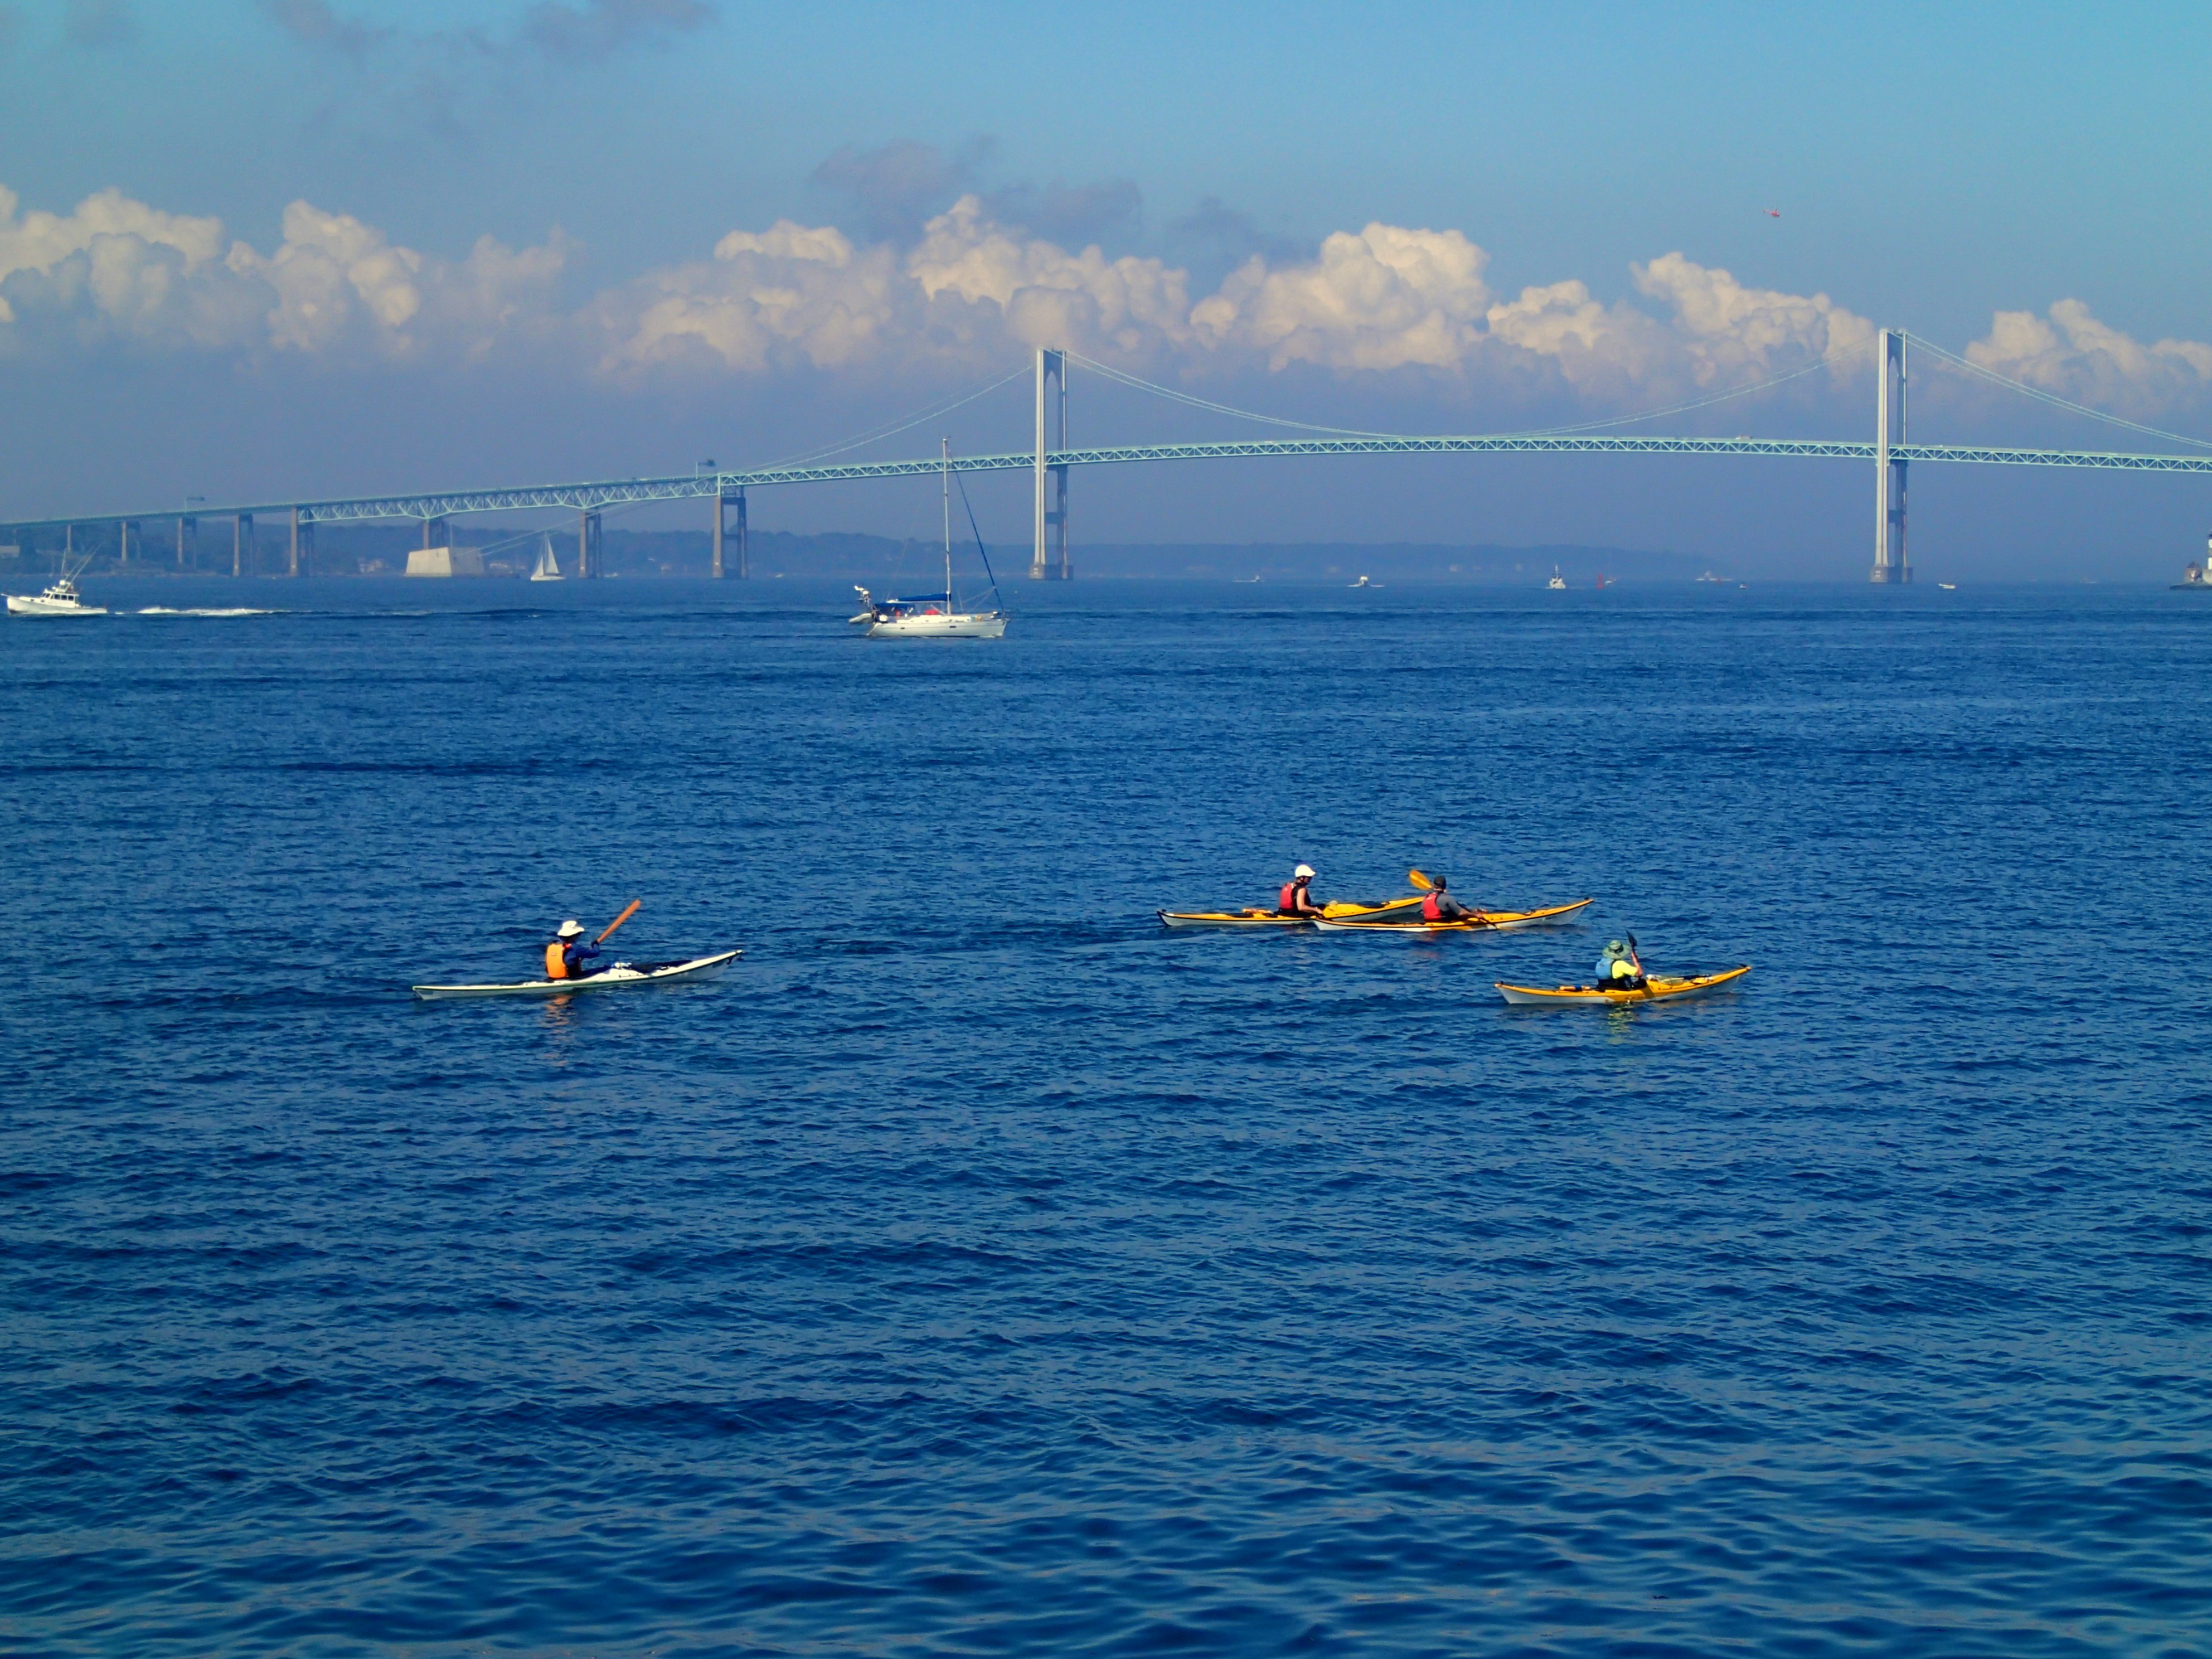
(980, 1266)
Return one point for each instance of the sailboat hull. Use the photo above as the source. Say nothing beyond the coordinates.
(981, 625)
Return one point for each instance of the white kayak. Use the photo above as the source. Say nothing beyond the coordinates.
(623, 973)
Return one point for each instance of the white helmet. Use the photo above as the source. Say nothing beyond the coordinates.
(569, 929)
(1304, 869)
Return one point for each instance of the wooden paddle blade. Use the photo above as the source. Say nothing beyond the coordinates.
(1419, 880)
(618, 921)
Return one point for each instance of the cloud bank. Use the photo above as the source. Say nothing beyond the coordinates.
(968, 289)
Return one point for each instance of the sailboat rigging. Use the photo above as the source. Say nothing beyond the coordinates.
(937, 615)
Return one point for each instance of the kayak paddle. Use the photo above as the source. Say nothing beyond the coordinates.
(1419, 880)
(618, 921)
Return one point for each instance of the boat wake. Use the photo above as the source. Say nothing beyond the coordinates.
(235, 611)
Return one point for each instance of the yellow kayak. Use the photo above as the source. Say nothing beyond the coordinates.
(1488, 921)
(1264, 917)
(1659, 988)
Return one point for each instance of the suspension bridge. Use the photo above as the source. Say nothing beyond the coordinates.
(1050, 463)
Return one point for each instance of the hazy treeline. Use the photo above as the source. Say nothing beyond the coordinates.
(879, 562)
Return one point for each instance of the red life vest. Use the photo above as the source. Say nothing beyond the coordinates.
(1287, 900)
(1432, 910)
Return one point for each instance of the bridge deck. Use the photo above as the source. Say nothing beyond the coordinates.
(587, 497)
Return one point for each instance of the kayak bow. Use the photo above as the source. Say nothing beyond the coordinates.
(623, 973)
(1489, 922)
(1659, 988)
(1260, 916)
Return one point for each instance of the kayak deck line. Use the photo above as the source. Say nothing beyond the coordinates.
(1261, 915)
(1487, 921)
(621, 974)
(1659, 988)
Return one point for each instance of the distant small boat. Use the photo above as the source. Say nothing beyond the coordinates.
(549, 568)
(1364, 582)
(1948, 587)
(1558, 583)
(1709, 577)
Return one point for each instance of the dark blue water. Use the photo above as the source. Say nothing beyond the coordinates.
(981, 1268)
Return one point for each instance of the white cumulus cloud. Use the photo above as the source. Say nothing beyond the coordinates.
(1386, 298)
(967, 290)
(986, 280)
(768, 300)
(117, 269)
(2072, 354)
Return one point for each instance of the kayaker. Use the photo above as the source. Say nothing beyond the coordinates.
(1441, 906)
(568, 956)
(1619, 967)
(1297, 898)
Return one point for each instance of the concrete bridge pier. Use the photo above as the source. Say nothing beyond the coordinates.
(303, 544)
(125, 532)
(587, 545)
(1890, 564)
(188, 542)
(243, 553)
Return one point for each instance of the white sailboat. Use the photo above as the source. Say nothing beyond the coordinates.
(549, 568)
(61, 599)
(936, 615)
(1558, 583)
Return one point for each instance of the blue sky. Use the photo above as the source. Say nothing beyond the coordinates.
(290, 291)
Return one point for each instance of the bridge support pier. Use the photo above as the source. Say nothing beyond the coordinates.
(125, 532)
(242, 550)
(1890, 563)
(722, 504)
(188, 537)
(303, 545)
(1051, 513)
(587, 546)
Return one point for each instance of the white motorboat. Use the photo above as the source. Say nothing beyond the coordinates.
(549, 568)
(1364, 582)
(62, 599)
(1558, 583)
(937, 615)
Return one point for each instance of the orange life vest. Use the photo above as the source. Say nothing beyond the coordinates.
(557, 960)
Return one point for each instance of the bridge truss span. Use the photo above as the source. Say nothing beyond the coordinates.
(590, 497)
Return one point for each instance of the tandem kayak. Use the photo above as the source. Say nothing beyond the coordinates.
(1489, 922)
(623, 973)
(1264, 917)
(1660, 987)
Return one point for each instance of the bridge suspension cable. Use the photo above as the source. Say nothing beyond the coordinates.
(943, 406)
(1969, 366)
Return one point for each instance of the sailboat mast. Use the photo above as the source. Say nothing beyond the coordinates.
(944, 488)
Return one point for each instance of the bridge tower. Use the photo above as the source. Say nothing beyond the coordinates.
(1051, 368)
(722, 527)
(1890, 564)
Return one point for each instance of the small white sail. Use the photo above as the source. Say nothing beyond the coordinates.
(549, 568)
